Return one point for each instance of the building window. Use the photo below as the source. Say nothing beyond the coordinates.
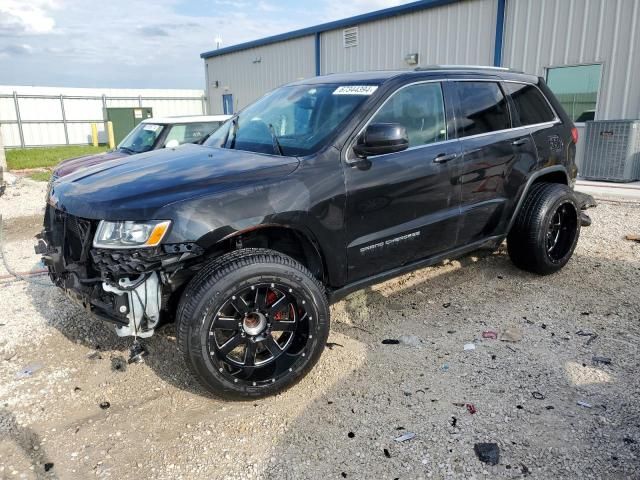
(576, 88)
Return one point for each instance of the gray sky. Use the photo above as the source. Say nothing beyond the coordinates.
(135, 43)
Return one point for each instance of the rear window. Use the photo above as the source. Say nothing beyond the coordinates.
(531, 106)
(483, 108)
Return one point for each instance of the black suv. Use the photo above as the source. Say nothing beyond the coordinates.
(317, 189)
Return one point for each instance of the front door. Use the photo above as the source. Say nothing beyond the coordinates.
(404, 206)
(227, 104)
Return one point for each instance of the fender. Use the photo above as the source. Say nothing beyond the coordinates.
(525, 191)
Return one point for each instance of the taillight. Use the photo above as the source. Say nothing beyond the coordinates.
(574, 135)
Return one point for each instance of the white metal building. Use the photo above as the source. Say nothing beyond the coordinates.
(37, 116)
(588, 50)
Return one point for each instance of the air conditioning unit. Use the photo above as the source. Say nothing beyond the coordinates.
(612, 151)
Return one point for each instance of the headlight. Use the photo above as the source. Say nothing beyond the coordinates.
(128, 234)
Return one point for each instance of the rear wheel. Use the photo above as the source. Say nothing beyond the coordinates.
(252, 323)
(546, 230)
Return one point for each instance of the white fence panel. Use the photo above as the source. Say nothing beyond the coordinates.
(58, 116)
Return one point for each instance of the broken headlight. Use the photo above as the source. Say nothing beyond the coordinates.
(130, 234)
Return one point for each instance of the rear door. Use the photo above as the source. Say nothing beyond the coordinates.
(493, 156)
(404, 206)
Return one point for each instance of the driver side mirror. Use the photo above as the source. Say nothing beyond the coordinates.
(381, 138)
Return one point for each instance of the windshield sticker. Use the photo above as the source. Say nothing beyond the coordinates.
(355, 90)
(151, 127)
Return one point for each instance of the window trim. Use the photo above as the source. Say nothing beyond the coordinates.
(602, 65)
(350, 161)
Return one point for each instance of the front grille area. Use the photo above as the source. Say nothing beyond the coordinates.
(128, 262)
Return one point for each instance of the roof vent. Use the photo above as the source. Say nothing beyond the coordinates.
(350, 37)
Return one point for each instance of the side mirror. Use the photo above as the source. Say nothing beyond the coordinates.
(381, 138)
(173, 143)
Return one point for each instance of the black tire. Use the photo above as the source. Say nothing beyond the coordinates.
(546, 229)
(282, 317)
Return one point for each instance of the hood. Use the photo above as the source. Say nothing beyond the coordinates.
(73, 164)
(135, 188)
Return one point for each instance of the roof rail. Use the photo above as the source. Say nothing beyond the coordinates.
(462, 67)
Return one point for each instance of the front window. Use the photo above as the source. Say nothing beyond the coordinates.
(576, 88)
(191, 132)
(292, 121)
(142, 138)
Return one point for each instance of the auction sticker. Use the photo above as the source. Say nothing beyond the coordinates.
(355, 90)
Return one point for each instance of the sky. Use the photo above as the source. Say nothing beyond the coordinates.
(143, 44)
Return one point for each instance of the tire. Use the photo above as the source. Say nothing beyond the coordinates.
(546, 230)
(252, 323)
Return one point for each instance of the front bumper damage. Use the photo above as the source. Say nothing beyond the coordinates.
(130, 288)
(585, 201)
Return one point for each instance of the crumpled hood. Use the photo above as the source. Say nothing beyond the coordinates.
(71, 165)
(134, 188)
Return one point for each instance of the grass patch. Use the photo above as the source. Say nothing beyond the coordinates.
(21, 158)
(40, 176)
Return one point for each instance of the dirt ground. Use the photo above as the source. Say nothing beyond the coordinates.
(58, 365)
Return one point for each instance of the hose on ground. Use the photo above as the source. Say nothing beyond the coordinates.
(15, 274)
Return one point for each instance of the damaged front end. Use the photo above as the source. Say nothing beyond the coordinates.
(130, 287)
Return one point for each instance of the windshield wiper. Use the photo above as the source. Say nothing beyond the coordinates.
(126, 149)
(276, 142)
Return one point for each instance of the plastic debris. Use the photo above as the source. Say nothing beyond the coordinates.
(446, 305)
(490, 334)
(29, 370)
(511, 334)
(48, 466)
(104, 405)
(410, 340)
(471, 408)
(469, 346)
(405, 437)
(603, 360)
(390, 341)
(94, 355)
(351, 434)
(444, 367)
(632, 237)
(537, 395)
(584, 404)
(330, 345)
(386, 453)
(137, 352)
(488, 453)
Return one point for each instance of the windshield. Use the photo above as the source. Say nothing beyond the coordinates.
(142, 138)
(291, 121)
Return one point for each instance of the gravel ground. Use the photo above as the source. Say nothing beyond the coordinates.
(341, 421)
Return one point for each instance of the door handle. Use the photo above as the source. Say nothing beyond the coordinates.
(519, 142)
(444, 157)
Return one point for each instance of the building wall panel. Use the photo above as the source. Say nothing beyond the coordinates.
(545, 33)
(459, 33)
(248, 74)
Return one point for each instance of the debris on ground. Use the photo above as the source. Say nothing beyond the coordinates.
(386, 453)
(28, 371)
(118, 364)
(403, 438)
(537, 395)
(137, 352)
(48, 466)
(632, 237)
(511, 334)
(410, 340)
(94, 355)
(603, 360)
(390, 341)
(469, 346)
(471, 408)
(584, 404)
(330, 345)
(490, 334)
(104, 405)
(488, 453)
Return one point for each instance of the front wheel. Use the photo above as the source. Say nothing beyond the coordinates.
(252, 323)
(546, 229)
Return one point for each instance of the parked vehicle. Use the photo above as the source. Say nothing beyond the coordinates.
(320, 188)
(150, 134)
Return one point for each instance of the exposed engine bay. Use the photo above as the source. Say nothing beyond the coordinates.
(128, 287)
